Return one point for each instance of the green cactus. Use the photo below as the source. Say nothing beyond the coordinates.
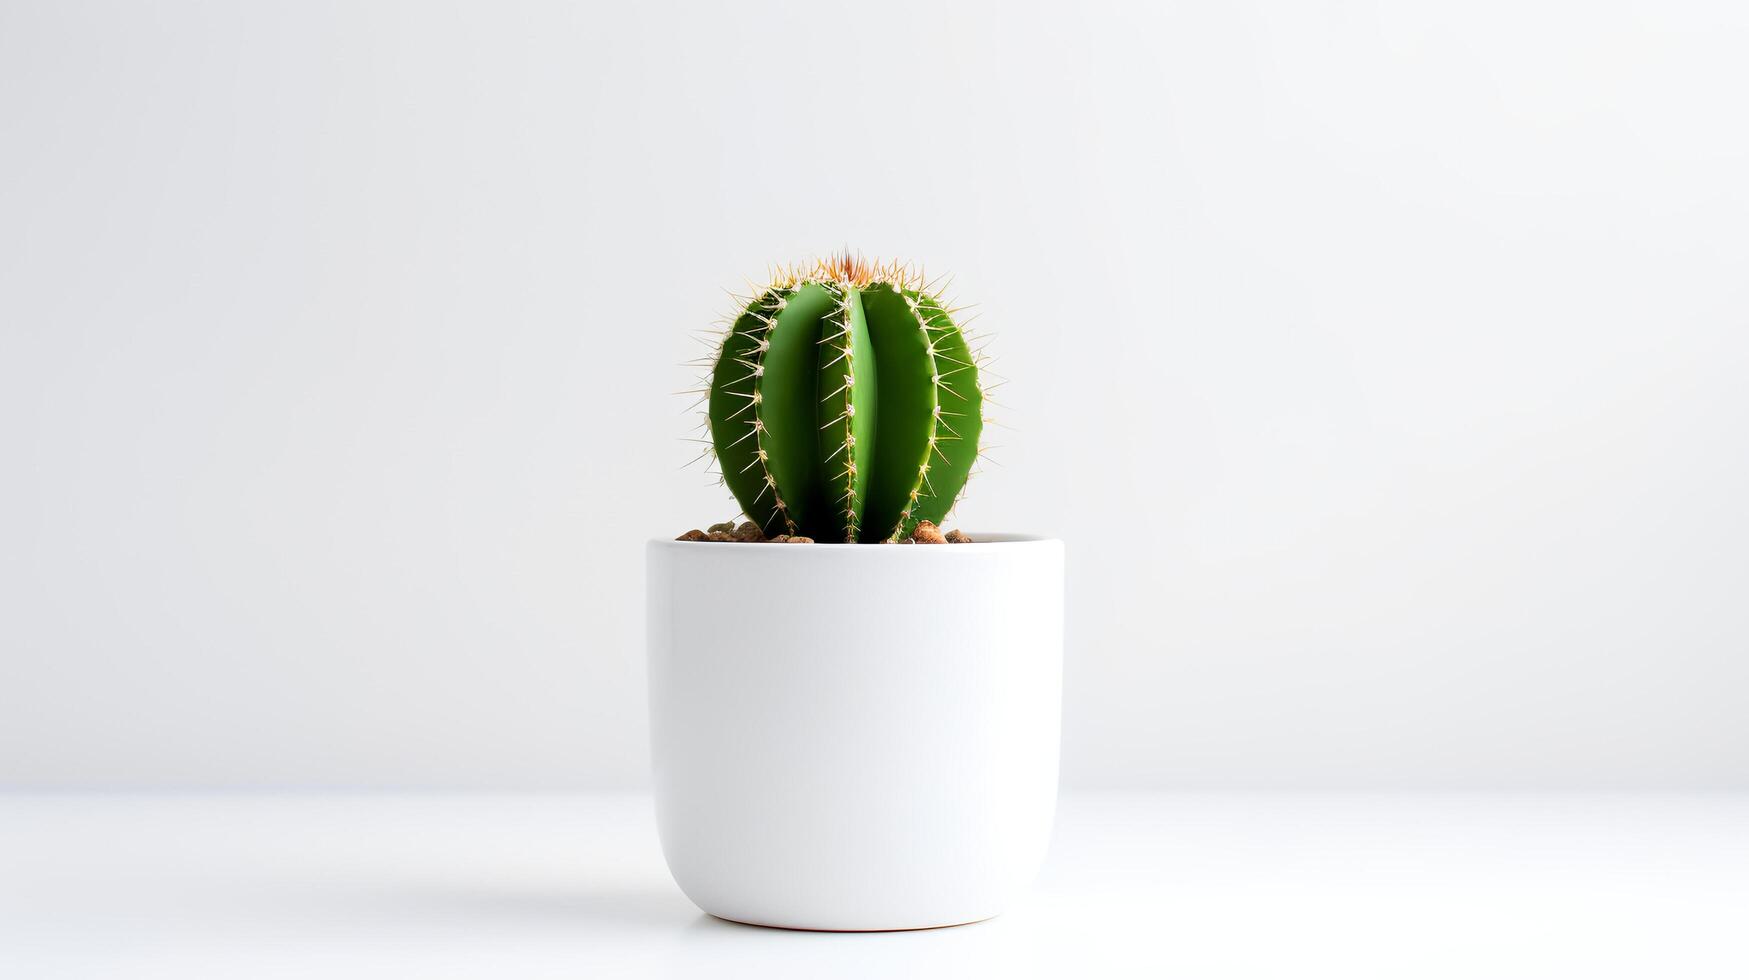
(844, 404)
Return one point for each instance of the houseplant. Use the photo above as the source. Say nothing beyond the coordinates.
(851, 735)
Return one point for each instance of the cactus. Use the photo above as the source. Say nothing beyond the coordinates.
(844, 403)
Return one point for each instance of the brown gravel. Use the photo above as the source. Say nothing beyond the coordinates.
(747, 533)
(927, 533)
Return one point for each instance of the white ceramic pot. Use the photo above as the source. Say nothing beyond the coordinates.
(855, 737)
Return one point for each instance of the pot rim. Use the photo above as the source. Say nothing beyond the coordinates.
(981, 541)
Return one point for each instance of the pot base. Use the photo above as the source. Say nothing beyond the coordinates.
(767, 925)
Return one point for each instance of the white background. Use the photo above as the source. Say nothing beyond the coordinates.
(1383, 366)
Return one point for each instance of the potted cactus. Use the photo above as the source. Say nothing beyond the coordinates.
(861, 733)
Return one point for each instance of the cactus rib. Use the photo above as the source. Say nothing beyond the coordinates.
(734, 411)
(907, 405)
(959, 415)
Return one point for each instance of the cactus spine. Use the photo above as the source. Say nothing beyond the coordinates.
(844, 403)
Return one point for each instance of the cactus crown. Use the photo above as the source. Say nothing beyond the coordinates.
(844, 403)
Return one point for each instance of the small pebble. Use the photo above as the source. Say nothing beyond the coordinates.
(927, 533)
(693, 535)
(749, 531)
(719, 536)
(794, 539)
(957, 536)
(727, 527)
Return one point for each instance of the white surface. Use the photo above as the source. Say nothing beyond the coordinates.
(1256, 885)
(1381, 364)
(886, 758)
